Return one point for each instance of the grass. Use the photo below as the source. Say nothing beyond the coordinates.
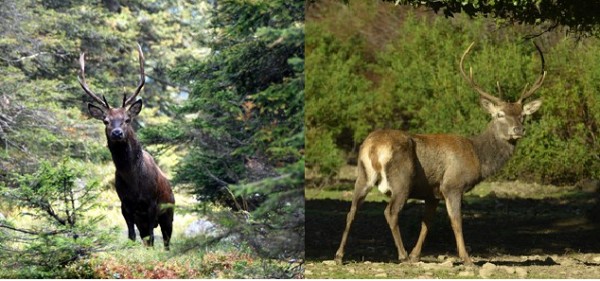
(190, 257)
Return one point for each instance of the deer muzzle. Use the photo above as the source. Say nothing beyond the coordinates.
(517, 133)
(117, 134)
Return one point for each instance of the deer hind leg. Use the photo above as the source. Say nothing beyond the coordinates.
(362, 186)
(166, 226)
(453, 206)
(426, 223)
(400, 188)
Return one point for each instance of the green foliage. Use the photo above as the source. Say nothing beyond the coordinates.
(56, 197)
(321, 150)
(408, 78)
(42, 108)
(577, 16)
(244, 117)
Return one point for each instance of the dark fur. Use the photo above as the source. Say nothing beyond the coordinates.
(146, 196)
(143, 189)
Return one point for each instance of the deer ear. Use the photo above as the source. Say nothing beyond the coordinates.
(531, 107)
(135, 108)
(96, 112)
(489, 106)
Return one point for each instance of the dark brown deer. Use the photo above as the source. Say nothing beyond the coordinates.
(145, 193)
(440, 166)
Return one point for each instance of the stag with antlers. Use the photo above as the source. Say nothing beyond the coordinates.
(145, 193)
(435, 167)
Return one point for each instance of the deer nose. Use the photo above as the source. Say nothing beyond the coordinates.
(518, 130)
(117, 133)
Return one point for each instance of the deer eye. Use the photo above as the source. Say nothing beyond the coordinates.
(127, 121)
(105, 122)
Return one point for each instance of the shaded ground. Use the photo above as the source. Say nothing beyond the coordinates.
(511, 230)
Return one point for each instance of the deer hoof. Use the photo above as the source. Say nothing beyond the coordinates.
(338, 259)
(414, 259)
(468, 263)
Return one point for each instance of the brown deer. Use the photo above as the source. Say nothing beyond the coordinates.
(145, 193)
(438, 166)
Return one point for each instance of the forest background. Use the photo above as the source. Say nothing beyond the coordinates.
(223, 117)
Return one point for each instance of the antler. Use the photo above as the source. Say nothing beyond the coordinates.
(526, 93)
(84, 85)
(469, 78)
(130, 100)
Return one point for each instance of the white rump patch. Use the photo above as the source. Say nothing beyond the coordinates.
(369, 170)
(384, 186)
(384, 154)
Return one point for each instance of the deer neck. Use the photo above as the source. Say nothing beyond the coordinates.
(126, 154)
(492, 151)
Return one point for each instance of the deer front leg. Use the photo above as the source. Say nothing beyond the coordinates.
(453, 206)
(129, 220)
(430, 207)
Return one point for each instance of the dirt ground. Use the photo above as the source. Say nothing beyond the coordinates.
(511, 229)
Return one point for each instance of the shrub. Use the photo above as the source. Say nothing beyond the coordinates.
(55, 197)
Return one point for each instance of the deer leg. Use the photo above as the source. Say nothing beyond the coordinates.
(361, 189)
(145, 220)
(166, 226)
(392, 212)
(146, 233)
(426, 223)
(129, 220)
(453, 205)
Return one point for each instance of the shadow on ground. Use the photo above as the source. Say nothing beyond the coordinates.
(492, 226)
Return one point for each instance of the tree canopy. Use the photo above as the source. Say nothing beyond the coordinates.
(579, 16)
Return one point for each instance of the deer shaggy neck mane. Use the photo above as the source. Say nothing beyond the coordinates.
(126, 154)
(491, 151)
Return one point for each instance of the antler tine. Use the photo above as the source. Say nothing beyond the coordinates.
(538, 83)
(470, 78)
(84, 85)
(131, 99)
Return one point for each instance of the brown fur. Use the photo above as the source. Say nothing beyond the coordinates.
(145, 193)
(434, 167)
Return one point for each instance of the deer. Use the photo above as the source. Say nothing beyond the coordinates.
(432, 167)
(146, 196)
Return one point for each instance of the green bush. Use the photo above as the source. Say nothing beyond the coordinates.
(323, 152)
(56, 198)
(409, 79)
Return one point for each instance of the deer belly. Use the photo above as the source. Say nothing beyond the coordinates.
(425, 192)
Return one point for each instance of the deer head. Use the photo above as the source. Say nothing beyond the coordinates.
(117, 120)
(507, 117)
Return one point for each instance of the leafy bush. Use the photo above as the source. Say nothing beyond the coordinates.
(56, 198)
